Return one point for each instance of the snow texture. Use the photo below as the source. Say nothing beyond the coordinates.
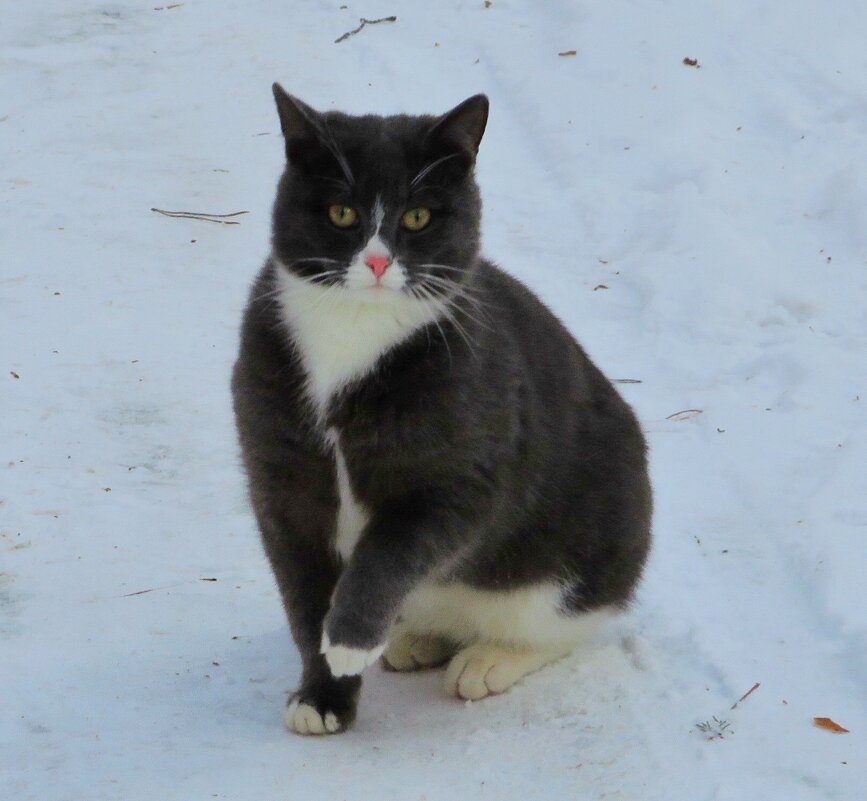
(701, 229)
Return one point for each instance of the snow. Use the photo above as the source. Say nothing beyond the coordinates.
(724, 207)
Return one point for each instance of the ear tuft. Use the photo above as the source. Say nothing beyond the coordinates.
(464, 125)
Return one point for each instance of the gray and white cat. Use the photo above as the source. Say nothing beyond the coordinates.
(439, 473)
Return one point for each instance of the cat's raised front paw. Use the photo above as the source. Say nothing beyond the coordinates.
(344, 660)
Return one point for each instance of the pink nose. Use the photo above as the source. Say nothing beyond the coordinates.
(379, 264)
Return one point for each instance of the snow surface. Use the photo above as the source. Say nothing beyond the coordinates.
(724, 207)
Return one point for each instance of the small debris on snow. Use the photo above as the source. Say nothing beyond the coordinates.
(830, 725)
(715, 729)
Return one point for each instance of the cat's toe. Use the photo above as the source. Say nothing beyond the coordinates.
(304, 718)
(344, 660)
(416, 652)
(465, 675)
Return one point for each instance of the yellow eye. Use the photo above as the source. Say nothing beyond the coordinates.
(416, 219)
(342, 216)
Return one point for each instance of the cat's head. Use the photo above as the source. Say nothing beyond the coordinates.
(379, 205)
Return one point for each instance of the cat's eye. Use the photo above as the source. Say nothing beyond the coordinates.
(416, 219)
(342, 216)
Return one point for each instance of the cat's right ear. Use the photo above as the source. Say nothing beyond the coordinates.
(463, 126)
(299, 123)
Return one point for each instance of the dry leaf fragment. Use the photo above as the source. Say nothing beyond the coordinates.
(692, 62)
(568, 53)
(599, 286)
(830, 725)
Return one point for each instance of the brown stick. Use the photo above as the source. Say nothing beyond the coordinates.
(364, 22)
(747, 694)
(201, 215)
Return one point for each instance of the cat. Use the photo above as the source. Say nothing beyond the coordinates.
(439, 473)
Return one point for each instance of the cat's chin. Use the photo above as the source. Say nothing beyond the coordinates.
(378, 295)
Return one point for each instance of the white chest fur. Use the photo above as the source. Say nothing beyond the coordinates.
(341, 333)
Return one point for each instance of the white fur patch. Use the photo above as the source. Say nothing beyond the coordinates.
(529, 616)
(346, 661)
(378, 213)
(352, 517)
(341, 332)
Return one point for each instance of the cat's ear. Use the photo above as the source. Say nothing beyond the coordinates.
(303, 128)
(463, 126)
(309, 143)
(297, 119)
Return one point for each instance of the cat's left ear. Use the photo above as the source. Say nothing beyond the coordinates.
(463, 126)
(297, 119)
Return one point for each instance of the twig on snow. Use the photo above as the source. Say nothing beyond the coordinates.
(747, 694)
(364, 22)
(201, 215)
(684, 414)
(143, 592)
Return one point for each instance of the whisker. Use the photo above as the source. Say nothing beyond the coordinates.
(328, 277)
(340, 182)
(444, 306)
(418, 295)
(271, 293)
(430, 167)
(450, 291)
(450, 286)
(335, 151)
(323, 259)
(448, 295)
(432, 266)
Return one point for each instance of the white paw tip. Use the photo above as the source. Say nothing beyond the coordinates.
(344, 660)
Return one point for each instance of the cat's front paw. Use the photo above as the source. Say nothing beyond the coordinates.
(304, 718)
(325, 707)
(346, 660)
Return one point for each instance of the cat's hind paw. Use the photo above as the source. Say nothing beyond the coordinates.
(487, 669)
(344, 660)
(409, 651)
